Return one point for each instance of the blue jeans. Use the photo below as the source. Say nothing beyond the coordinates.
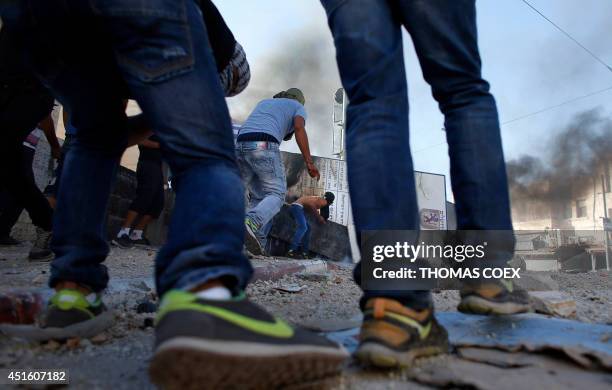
(157, 52)
(262, 170)
(301, 237)
(368, 40)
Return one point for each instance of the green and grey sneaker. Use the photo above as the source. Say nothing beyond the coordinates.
(71, 313)
(493, 297)
(234, 344)
(250, 238)
(393, 335)
(68, 307)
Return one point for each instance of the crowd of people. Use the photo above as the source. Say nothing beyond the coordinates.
(179, 61)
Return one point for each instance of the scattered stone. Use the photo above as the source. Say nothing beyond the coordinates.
(73, 343)
(39, 279)
(290, 288)
(314, 277)
(99, 338)
(146, 307)
(553, 303)
(51, 345)
(85, 343)
(147, 323)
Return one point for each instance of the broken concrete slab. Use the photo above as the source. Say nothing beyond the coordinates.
(536, 281)
(454, 372)
(580, 342)
(314, 276)
(289, 288)
(85, 329)
(554, 303)
(276, 270)
(532, 332)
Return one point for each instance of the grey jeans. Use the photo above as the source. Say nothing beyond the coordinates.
(263, 173)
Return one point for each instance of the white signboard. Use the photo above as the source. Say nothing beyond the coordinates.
(431, 190)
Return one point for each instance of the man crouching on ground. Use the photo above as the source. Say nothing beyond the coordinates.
(315, 205)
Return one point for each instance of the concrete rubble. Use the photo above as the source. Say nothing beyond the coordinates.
(326, 300)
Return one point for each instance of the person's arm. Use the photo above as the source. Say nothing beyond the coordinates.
(48, 127)
(320, 219)
(299, 124)
(138, 130)
(147, 143)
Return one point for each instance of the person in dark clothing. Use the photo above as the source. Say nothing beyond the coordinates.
(10, 206)
(50, 190)
(91, 53)
(369, 51)
(24, 102)
(149, 201)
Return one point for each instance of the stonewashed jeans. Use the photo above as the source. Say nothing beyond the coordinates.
(368, 40)
(263, 173)
(157, 52)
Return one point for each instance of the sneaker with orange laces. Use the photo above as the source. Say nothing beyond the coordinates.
(496, 297)
(393, 335)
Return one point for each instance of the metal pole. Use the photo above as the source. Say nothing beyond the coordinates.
(606, 234)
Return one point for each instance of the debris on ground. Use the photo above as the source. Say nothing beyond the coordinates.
(327, 302)
(554, 303)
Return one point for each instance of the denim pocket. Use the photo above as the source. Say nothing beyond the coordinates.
(151, 38)
(331, 5)
(263, 163)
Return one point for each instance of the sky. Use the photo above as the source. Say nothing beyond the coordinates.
(529, 64)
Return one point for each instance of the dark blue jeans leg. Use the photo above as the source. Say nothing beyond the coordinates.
(306, 239)
(301, 226)
(371, 65)
(171, 72)
(445, 38)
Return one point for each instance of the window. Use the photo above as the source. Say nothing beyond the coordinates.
(581, 208)
(567, 210)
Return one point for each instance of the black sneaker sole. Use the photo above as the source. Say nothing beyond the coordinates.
(193, 363)
(252, 243)
(473, 304)
(381, 356)
(120, 245)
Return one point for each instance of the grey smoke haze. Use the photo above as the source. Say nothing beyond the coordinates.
(308, 63)
(569, 163)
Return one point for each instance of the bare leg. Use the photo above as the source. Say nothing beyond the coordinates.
(145, 220)
(129, 219)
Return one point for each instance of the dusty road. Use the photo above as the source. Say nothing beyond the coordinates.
(119, 357)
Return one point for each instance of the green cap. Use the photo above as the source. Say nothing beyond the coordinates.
(292, 93)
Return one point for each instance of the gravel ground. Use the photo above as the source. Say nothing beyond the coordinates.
(119, 357)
